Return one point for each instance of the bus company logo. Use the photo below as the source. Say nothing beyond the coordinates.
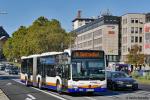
(94, 82)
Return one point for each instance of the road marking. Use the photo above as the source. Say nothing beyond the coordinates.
(31, 96)
(28, 99)
(9, 84)
(49, 94)
(143, 92)
(18, 80)
(90, 98)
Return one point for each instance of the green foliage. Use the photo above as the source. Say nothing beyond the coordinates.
(135, 57)
(42, 36)
(147, 76)
(135, 74)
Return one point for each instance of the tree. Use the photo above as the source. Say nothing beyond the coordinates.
(7, 49)
(42, 36)
(135, 57)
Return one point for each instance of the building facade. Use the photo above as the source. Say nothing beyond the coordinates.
(100, 34)
(132, 33)
(147, 39)
(115, 35)
(78, 21)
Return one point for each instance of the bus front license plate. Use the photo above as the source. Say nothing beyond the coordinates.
(90, 90)
(129, 85)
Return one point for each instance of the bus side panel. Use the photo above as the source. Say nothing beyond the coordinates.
(51, 82)
(22, 77)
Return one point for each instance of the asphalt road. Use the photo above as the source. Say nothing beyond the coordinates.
(15, 90)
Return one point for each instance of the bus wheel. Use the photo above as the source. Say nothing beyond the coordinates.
(58, 87)
(27, 82)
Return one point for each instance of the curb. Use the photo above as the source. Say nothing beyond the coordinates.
(3, 96)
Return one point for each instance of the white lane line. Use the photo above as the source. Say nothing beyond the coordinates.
(28, 99)
(17, 80)
(90, 98)
(9, 83)
(49, 94)
(31, 96)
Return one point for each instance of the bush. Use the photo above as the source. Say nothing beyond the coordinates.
(147, 76)
(135, 74)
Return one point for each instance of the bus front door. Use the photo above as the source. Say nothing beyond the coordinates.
(65, 77)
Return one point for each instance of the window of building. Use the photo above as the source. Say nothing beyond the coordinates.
(132, 29)
(140, 48)
(136, 39)
(124, 49)
(136, 21)
(125, 39)
(110, 58)
(140, 30)
(140, 40)
(132, 20)
(136, 29)
(124, 21)
(125, 30)
(89, 42)
(140, 21)
(132, 39)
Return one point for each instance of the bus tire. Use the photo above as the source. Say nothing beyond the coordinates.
(58, 87)
(26, 82)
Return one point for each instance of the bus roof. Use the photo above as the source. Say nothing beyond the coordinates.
(70, 50)
(30, 56)
(50, 53)
(40, 55)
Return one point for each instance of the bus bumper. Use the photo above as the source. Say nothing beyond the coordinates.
(75, 90)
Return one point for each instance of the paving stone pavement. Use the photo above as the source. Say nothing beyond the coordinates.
(3, 96)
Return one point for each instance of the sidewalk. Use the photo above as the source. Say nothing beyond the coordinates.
(3, 96)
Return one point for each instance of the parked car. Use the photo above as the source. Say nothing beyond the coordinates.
(7, 69)
(2, 67)
(14, 70)
(120, 80)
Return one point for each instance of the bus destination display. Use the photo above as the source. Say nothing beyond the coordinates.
(87, 54)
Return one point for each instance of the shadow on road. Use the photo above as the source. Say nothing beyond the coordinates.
(8, 77)
(107, 93)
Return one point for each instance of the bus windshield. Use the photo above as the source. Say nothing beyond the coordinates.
(88, 70)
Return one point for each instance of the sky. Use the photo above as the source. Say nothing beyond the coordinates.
(24, 12)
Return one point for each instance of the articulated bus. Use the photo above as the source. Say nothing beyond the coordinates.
(70, 71)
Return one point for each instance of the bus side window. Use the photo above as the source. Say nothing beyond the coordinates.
(59, 71)
(24, 66)
(66, 71)
(50, 71)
